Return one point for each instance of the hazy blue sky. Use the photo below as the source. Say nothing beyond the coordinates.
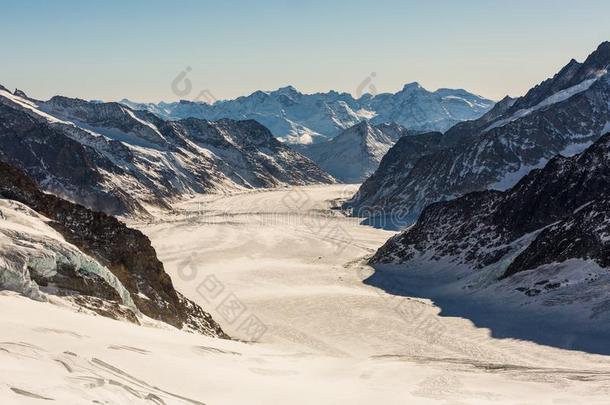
(134, 49)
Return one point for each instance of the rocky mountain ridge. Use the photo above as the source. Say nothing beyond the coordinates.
(545, 240)
(562, 115)
(119, 161)
(310, 118)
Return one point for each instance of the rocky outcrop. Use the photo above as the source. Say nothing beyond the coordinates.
(126, 252)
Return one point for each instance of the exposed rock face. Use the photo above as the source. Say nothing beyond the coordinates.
(61, 164)
(112, 159)
(582, 235)
(126, 252)
(553, 215)
(354, 155)
(399, 159)
(311, 118)
(563, 115)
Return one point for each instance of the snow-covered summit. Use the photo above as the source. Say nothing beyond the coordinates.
(354, 154)
(309, 118)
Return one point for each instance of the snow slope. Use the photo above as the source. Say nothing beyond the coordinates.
(48, 353)
(354, 155)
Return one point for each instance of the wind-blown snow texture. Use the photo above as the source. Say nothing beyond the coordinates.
(564, 115)
(112, 159)
(330, 340)
(310, 118)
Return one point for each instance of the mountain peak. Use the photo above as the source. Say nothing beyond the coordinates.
(572, 74)
(258, 94)
(66, 101)
(359, 130)
(604, 46)
(600, 58)
(287, 89)
(20, 93)
(412, 86)
(364, 124)
(506, 101)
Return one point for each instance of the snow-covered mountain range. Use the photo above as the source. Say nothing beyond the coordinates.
(544, 241)
(307, 118)
(355, 153)
(562, 115)
(50, 248)
(119, 161)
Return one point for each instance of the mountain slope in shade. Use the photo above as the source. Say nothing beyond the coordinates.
(354, 155)
(49, 246)
(309, 118)
(112, 159)
(563, 115)
(544, 241)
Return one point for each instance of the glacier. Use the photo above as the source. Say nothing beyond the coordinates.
(29, 245)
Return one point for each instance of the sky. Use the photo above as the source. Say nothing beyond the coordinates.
(169, 50)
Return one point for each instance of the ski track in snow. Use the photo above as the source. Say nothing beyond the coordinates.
(330, 339)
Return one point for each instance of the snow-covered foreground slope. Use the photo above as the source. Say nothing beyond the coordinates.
(51, 353)
(329, 339)
(298, 268)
